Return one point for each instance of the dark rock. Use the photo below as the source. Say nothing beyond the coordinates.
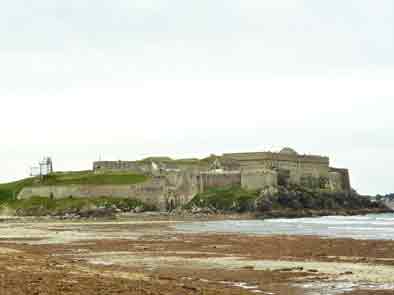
(291, 269)
(98, 213)
(190, 288)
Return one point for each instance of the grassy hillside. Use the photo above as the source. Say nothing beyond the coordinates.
(9, 191)
(40, 206)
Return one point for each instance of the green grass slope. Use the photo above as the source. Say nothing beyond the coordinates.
(40, 206)
(88, 177)
(9, 191)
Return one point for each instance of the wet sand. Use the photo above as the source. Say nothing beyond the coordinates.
(149, 257)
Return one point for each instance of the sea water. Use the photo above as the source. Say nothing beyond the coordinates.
(374, 226)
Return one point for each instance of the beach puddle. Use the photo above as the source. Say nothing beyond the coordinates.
(337, 288)
(242, 285)
(332, 277)
(5, 251)
(350, 271)
(43, 233)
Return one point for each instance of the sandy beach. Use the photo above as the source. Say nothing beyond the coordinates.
(151, 257)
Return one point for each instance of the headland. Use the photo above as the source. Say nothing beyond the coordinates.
(268, 184)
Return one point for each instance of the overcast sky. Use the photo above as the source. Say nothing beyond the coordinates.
(125, 79)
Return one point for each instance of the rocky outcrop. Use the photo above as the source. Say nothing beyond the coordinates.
(293, 201)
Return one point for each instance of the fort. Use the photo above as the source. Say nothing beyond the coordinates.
(175, 182)
(292, 168)
(253, 170)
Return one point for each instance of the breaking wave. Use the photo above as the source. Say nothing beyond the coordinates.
(375, 226)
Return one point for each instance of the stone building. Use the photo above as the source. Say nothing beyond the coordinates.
(287, 160)
(254, 170)
(291, 168)
(105, 166)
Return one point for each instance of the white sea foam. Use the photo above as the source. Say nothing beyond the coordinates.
(358, 227)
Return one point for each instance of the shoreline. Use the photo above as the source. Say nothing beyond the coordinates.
(322, 213)
(203, 216)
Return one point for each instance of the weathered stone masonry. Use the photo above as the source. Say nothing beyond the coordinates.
(293, 168)
(151, 192)
(218, 179)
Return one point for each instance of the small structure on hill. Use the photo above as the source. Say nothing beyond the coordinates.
(44, 168)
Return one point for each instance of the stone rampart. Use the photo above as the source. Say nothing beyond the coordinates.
(152, 192)
(259, 179)
(131, 166)
(161, 192)
(219, 179)
(265, 156)
(336, 182)
(297, 167)
(342, 176)
(181, 188)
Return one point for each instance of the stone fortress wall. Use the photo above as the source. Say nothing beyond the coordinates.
(293, 168)
(214, 179)
(151, 192)
(298, 166)
(253, 170)
(172, 184)
(135, 166)
(161, 192)
(340, 180)
(258, 179)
